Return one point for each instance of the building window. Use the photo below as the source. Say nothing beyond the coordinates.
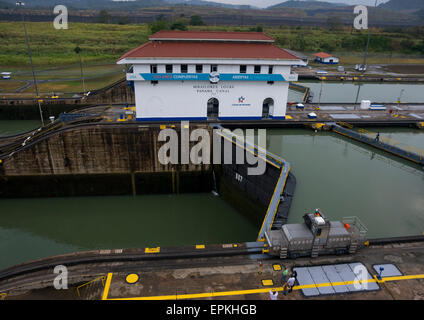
(153, 68)
(257, 69)
(184, 68)
(270, 69)
(168, 68)
(243, 69)
(199, 68)
(214, 68)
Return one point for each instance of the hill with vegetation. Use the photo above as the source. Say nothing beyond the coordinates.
(307, 5)
(402, 5)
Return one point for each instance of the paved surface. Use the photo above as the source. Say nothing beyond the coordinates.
(239, 278)
(244, 281)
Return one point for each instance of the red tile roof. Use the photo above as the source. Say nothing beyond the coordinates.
(211, 36)
(209, 50)
(322, 55)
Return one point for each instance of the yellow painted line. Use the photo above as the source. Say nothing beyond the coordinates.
(152, 250)
(275, 189)
(279, 198)
(200, 246)
(410, 277)
(262, 290)
(107, 286)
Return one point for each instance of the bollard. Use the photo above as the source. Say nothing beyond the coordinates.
(260, 267)
(379, 275)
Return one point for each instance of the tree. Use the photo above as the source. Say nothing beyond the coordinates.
(196, 21)
(104, 17)
(179, 25)
(124, 20)
(160, 24)
(334, 23)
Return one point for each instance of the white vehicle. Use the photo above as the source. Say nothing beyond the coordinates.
(361, 67)
(321, 72)
(6, 75)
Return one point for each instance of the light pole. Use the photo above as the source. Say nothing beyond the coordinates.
(77, 51)
(21, 4)
(364, 66)
(400, 97)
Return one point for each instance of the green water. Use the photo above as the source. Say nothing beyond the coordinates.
(355, 92)
(345, 179)
(35, 228)
(11, 127)
(333, 173)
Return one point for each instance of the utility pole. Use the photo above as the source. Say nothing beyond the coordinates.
(77, 51)
(364, 65)
(21, 4)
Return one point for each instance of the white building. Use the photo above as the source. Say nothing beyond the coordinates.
(326, 58)
(192, 75)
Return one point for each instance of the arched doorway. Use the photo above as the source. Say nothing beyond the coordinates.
(267, 107)
(213, 106)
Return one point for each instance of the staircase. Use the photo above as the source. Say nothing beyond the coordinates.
(315, 249)
(91, 290)
(283, 253)
(353, 247)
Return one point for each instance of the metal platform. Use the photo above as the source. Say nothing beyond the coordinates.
(390, 270)
(333, 279)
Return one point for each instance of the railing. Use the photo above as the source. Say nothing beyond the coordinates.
(354, 221)
(3, 295)
(103, 278)
(408, 148)
(345, 124)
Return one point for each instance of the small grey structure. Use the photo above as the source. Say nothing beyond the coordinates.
(316, 236)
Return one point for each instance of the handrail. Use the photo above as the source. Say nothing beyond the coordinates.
(103, 278)
(392, 142)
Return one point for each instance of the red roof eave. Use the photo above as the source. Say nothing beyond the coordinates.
(209, 50)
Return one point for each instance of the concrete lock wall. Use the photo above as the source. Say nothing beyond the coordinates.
(98, 159)
(249, 194)
(105, 159)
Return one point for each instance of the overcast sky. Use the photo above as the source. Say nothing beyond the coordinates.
(266, 3)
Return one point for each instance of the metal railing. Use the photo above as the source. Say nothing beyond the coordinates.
(103, 278)
(392, 143)
(355, 221)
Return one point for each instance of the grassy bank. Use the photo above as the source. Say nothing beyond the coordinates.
(107, 42)
(102, 44)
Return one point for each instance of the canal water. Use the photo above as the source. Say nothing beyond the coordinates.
(11, 127)
(349, 92)
(333, 173)
(345, 178)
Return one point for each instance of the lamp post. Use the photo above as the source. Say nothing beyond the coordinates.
(78, 52)
(21, 4)
(364, 66)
